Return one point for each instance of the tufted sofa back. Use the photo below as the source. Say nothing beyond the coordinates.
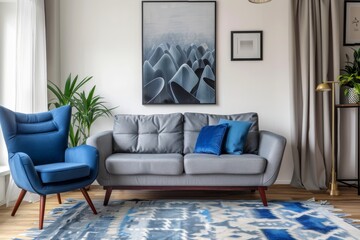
(42, 136)
(159, 133)
(172, 133)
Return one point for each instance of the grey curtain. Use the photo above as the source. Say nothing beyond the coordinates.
(316, 50)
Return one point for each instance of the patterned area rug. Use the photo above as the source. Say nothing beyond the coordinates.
(183, 219)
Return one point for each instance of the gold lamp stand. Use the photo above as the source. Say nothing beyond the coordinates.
(324, 87)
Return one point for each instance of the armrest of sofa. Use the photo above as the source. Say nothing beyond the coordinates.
(103, 142)
(271, 147)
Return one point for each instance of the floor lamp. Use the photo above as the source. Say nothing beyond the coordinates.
(324, 87)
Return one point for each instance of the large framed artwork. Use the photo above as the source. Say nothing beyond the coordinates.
(179, 52)
(351, 23)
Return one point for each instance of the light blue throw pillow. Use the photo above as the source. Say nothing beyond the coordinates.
(235, 138)
(210, 139)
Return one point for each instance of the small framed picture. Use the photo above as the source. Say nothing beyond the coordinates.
(351, 23)
(246, 46)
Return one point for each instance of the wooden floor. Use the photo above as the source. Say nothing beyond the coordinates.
(27, 215)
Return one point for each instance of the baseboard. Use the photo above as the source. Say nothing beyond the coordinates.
(95, 183)
(286, 181)
(276, 182)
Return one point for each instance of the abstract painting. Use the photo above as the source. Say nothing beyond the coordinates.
(179, 52)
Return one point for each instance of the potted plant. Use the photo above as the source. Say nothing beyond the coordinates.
(350, 78)
(87, 107)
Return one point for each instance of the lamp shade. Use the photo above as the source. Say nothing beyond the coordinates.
(323, 87)
(259, 1)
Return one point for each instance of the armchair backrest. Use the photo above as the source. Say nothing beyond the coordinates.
(42, 136)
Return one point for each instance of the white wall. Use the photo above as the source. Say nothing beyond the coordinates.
(102, 38)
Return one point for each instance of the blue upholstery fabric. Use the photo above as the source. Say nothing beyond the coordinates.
(60, 172)
(235, 137)
(210, 139)
(48, 129)
(40, 139)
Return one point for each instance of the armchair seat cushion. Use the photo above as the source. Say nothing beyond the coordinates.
(60, 172)
(196, 163)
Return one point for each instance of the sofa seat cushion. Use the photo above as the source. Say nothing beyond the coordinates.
(143, 163)
(59, 172)
(197, 163)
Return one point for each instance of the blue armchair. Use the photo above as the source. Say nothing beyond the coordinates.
(39, 158)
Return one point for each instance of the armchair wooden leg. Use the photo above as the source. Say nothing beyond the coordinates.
(58, 198)
(107, 195)
(42, 210)
(18, 201)
(263, 195)
(88, 199)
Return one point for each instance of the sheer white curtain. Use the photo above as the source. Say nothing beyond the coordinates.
(31, 80)
(7, 63)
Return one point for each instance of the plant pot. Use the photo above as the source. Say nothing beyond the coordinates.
(351, 97)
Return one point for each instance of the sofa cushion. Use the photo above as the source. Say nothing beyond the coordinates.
(197, 163)
(193, 122)
(210, 139)
(137, 163)
(160, 133)
(59, 172)
(236, 134)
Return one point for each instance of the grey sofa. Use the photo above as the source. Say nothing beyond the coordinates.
(156, 152)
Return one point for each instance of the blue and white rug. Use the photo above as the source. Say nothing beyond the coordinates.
(184, 219)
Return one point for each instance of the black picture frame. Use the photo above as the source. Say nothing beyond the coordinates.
(246, 45)
(178, 42)
(351, 33)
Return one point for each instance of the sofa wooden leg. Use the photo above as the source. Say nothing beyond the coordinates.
(263, 195)
(18, 201)
(88, 199)
(42, 211)
(107, 195)
(58, 198)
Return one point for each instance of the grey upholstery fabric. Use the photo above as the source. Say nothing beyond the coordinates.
(160, 133)
(193, 122)
(185, 180)
(271, 147)
(138, 163)
(195, 163)
(103, 142)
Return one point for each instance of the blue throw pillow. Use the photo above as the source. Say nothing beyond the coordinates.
(235, 138)
(210, 139)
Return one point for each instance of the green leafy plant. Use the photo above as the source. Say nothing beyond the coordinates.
(87, 107)
(351, 73)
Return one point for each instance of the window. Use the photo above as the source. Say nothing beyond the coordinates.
(7, 61)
